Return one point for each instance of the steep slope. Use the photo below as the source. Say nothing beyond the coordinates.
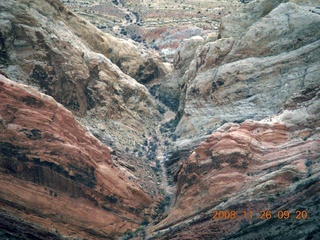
(256, 65)
(91, 73)
(53, 21)
(259, 62)
(246, 139)
(157, 24)
(56, 175)
(272, 164)
(248, 126)
(42, 42)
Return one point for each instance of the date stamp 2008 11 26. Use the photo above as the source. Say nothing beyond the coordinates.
(263, 214)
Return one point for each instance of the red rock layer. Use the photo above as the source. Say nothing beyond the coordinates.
(272, 165)
(55, 175)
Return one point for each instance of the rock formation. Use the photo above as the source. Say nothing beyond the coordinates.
(241, 75)
(55, 175)
(257, 63)
(157, 24)
(252, 98)
(44, 45)
(70, 59)
(91, 73)
(272, 164)
(81, 154)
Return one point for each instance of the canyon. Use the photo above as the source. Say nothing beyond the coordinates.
(46, 153)
(157, 24)
(142, 119)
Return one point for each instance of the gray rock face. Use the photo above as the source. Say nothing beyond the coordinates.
(267, 164)
(267, 52)
(91, 73)
(256, 88)
(45, 45)
(169, 91)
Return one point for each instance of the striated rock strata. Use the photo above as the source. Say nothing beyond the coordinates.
(260, 60)
(252, 98)
(157, 24)
(45, 44)
(93, 74)
(56, 178)
(266, 52)
(272, 164)
(47, 26)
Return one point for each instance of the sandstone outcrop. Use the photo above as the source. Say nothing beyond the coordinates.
(67, 56)
(45, 45)
(266, 52)
(169, 91)
(156, 24)
(57, 37)
(252, 96)
(271, 164)
(245, 136)
(56, 177)
(213, 87)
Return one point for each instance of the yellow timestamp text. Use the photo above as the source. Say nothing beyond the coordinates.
(263, 214)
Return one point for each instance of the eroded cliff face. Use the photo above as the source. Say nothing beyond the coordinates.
(93, 74)
(247, 102)
(66, 56)
(251, 98)
(56, 175)
(47, 26)
(266, 52)
(271, 164)
(44, 44)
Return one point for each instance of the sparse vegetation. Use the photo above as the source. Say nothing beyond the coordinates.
(111, 199)
(162, 206)
(295, 179)
(145, 222)
(271, 199)
(127, 235)
(308, 163)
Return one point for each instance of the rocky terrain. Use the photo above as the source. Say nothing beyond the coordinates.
(250, 71)
(272, 164)
(159, 24)
(264, 67)
(95, 76)
(102, 140)
(56, 176)
(91, 73)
